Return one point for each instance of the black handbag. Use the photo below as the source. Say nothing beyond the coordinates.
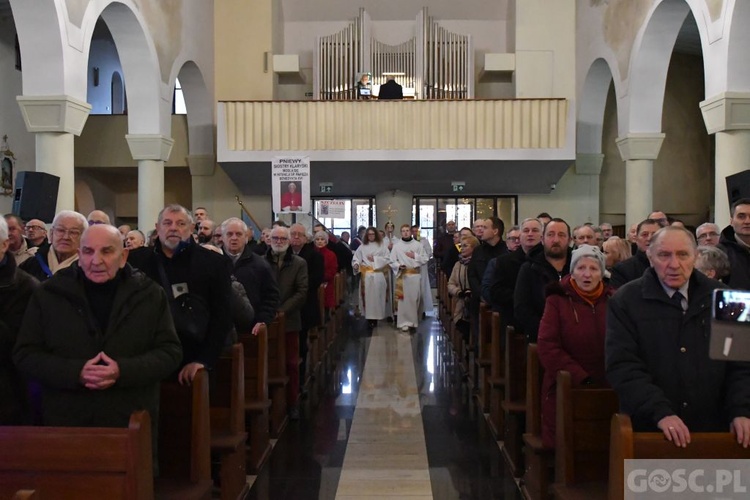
(189, 311)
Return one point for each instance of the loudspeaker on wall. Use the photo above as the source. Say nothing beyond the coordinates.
(35, 196)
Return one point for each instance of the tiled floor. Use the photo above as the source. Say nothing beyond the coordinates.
(393, 421)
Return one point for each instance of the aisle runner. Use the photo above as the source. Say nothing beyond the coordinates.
(386, 454)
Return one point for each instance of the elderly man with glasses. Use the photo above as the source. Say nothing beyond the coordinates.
(67, 228)
(708, 234)
(36, 233)
(290, 272)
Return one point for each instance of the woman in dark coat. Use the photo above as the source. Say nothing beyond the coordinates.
(571, 333)
(331, 266)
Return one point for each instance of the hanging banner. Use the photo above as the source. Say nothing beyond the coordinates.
(290, 179)
(334, 209)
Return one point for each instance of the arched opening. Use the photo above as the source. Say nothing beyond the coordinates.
(593, 100)
(117, 88)
(198, 107)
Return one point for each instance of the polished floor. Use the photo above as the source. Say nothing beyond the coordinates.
(394, 419)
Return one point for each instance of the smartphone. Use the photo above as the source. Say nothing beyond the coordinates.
(730, 325)
(732, 306)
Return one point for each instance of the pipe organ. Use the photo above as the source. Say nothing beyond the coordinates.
(436, 63)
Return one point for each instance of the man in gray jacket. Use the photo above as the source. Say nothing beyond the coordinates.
(291, 276)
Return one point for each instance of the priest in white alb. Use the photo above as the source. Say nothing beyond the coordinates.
(407, 257)
(372, 260)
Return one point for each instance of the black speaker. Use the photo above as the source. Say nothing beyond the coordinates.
(738, 186)
(35, 196)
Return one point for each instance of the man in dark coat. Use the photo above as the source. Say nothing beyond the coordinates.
(492, 246)
(253, 272)
(16, 288)
(735, 241)
(391, 89)
(507, 266)
(182, 266)
(546, 263)
(633, 268)
(98, 337)
(443, 243)
(657, 349)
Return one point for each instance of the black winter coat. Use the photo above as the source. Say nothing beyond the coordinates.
(260, 284)
(59, 334)
(629, 269)
(315, 275)
(208, 275)
(16, 288)
(657, 358)
(507, 267)
(739, 260)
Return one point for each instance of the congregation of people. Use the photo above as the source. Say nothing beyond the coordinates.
(94, 317)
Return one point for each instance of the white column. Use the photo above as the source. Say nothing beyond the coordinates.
(589, 167)
(202, 169)
(56, 120)
(398, 203)
(728, 116)
(151, 151)
(639, 152)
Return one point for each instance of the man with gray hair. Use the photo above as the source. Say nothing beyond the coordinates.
(291, 275)
(253, 272)
(194, 277)
(657, 349)
(98, 217)
(708, 233)
(16, 288)
(67, 228)
(18, 245)
(606, 228)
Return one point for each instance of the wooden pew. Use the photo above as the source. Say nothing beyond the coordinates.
(78, 462)
(257, 403)
(483, 360)
(184, 441)
(277, 377)
(514, 404)
(496, 379)
(538, 460)
(582, 440)
(227, 415)
(626, 444)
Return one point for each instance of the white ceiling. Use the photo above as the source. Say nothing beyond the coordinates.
(392, 10)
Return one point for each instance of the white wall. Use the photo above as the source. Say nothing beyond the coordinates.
(20, 141)
(103, 56)
(568, 201)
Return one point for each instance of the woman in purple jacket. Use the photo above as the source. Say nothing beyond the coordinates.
(571, 333)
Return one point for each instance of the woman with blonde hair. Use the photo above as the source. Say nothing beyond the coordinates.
(615, 250)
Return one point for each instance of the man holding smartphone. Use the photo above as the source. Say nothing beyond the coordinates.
(657, 349)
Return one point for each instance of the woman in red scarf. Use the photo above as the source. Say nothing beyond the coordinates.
(571, 334)
(330, 267)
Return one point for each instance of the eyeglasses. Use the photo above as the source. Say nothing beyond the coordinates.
(61, 232)
(279, 238)
(514, 238)
(34, 228)
(708, 235)
(96, 222)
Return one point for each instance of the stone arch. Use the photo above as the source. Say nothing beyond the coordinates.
(199, 110)
(593, 100)
(649, 63)
(44, 49)
(147, 111)
(737, 64)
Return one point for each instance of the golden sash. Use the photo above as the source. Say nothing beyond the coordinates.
(400, 281)
(363, 270)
